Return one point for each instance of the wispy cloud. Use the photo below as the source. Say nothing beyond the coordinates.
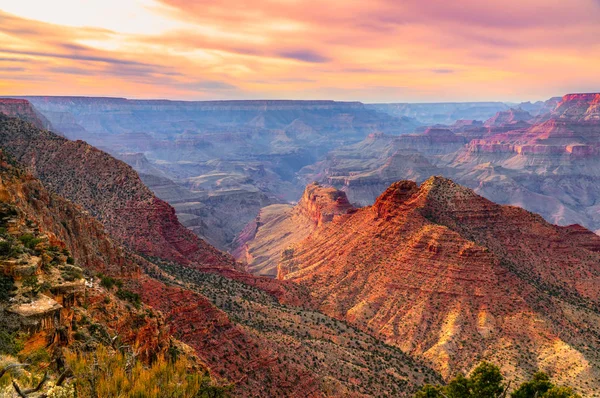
(381, 50)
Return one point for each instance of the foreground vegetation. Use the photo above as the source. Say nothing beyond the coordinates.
(486, 381)
(103, 372)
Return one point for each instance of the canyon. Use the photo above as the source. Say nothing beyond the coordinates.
(219, 162)
(222, 155)
(275, 240)
(262, 335)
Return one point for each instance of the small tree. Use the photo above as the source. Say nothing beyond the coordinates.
(428, 391)
(32, 283)
(539, 384)
(486, 381)
(561, 392)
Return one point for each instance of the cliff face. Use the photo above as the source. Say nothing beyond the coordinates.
(49, 246)
(322, 204)
(509, 117)
(227, 153)
(23, 109)
(101, 120)
(56, 316)
(442, 113)
(450, 276)
(547, 163)
(579, 107)
(366, 169)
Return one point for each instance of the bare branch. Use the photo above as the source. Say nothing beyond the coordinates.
(503, 393)
(18, 390)
(11, 366)
(63, 376)
(39, 386)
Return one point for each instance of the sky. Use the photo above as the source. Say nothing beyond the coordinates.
(366, 50)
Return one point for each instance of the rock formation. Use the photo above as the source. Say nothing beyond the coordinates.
(452, 277)
(23, 110)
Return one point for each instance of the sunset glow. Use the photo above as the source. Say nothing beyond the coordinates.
(375, 51)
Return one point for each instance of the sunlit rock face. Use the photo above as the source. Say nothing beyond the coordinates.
(435, 268)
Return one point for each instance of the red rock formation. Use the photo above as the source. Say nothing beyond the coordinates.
(246, 356)
(579, 107)
(509, 117)
(229, 350)
(321, 204)
(23, 110)
(452, 277)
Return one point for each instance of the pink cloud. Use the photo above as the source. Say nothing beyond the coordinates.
(408, 50)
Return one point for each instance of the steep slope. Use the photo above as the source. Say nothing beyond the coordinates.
(547, 164)
(110, 190)
(550, 168)
(188, 315)
(452, 277)
(509, 119)
(51, 253)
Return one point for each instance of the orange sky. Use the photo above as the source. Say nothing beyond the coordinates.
(368, 50)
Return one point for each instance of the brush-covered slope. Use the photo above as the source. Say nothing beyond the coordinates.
(230, 157)
(53, 307)
(112, 192)
(109, 190)
(454, 278)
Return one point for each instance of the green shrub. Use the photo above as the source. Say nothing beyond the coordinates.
(109, 282)
(29, 241)
(127, 295)
(7, 287)
(10, 344)
(71, 273)
(32, 283)
(5, 248)
(486, 381)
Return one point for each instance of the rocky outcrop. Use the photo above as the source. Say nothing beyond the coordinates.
(23, 110)
(50, 245)
(284, 225)
(235, 156)
(579, 107)
(321, 204)
(549, 167)
(223, 313)
(511, 118)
